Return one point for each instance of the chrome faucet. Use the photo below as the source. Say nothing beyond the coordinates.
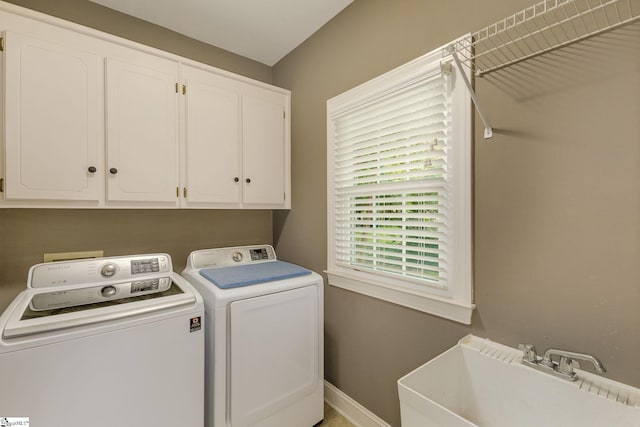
(564, 367)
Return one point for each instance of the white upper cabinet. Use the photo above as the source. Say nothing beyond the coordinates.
(142, 137)
(264, 151)
(53, 121)
(236, 143)
(212, 167)
(90, 120)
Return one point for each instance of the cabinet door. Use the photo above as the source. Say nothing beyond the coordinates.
(142, 157)
(53, 119)
(212, 139)
(263, 147)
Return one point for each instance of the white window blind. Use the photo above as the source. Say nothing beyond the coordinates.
(390, 178)
(399, 188)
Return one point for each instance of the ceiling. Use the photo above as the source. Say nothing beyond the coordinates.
(263, 30)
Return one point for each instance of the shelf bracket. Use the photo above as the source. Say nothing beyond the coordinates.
(488, 131)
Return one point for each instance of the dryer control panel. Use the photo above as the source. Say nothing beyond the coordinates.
(234, 256)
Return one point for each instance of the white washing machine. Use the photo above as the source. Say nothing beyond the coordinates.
(104, 342)
(264, 339)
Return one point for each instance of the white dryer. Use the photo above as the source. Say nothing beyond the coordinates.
(104, 342)
(264, 339)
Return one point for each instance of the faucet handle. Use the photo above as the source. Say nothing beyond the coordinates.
(565, 366)
(528, 353)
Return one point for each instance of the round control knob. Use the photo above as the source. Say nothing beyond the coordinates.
(236, 179)
(248, 180)
(108, 270)
(237, 256)
(108, 291)
(92, 169)
(113, 171)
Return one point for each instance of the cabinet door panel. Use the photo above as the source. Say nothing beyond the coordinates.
(141, 132)
(53, 121)
(212, 138)
(263, 149)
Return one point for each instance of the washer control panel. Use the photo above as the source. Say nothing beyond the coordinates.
(72, 296)
(98, 270)
(239, 255)
(146, 265)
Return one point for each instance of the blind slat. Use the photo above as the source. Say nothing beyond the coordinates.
(390, 262)
(416, 235)
(424, 154)
(423, 130)
(411, 254)
(414, 170)
(392, 188)
(412, 179)
(390, 124)
(424, 200)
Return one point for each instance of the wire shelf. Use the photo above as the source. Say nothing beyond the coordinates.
(541, 28)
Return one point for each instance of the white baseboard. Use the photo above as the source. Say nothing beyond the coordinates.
(350, 409)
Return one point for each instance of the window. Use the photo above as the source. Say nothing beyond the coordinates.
(399, 188)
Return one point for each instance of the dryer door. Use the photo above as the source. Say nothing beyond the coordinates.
(274, 353)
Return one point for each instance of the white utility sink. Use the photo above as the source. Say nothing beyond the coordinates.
(482, 383)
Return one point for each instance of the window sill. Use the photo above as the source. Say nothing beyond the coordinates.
(438, 306)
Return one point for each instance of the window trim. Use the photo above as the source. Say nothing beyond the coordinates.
(456, 301)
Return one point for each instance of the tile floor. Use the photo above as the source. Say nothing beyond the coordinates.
(332, 418)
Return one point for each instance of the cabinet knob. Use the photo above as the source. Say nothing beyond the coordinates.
(236, 179)
(248, 180)
(92, 169)
(113, 171)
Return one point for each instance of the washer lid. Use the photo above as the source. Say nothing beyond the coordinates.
(24, 321)
(252, 274)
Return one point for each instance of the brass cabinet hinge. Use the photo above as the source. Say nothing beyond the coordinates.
(177, 86)
(184, 89)
(1, 44)
(184, 192)
(177, 191)
(1, 185)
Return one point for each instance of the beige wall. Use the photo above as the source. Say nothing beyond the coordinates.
(25, 234)
(557, 195)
